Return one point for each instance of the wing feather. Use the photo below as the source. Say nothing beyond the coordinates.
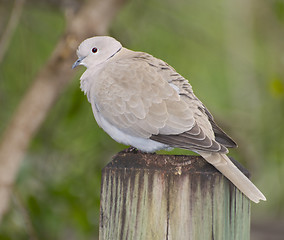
(147, 98)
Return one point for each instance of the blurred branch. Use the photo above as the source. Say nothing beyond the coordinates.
(11, 26)
(93, 18)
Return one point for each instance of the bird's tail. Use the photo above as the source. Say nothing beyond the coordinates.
(230, 171)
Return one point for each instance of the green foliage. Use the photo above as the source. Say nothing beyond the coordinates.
(235, 68)
(277, 87)
(32, 43)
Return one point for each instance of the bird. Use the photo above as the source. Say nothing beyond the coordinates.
(142, 101)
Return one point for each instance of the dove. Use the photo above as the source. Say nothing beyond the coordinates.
(141, 101)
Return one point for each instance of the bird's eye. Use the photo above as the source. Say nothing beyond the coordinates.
(94, 50)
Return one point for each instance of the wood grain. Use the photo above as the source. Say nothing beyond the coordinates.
(150, 196)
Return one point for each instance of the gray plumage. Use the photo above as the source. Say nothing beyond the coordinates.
(141, 101)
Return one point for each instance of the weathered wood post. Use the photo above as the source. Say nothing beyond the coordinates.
(166, 197)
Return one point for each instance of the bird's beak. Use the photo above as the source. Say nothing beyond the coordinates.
(78, 62)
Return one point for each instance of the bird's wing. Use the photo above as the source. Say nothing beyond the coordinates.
(145, 97)
(220, 136)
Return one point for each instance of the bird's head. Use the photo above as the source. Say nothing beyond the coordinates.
(96, 50)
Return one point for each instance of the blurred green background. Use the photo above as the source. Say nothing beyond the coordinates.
(232, 52)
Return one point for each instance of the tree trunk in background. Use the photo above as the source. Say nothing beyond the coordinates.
(93, 18)
(10, 28)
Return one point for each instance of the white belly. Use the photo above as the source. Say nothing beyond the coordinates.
(143, 144)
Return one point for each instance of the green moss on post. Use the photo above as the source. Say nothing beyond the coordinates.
(166, 197)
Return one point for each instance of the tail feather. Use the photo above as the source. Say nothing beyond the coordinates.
(230, 171)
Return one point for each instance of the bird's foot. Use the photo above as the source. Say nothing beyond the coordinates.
(135, 151)
(131, 150)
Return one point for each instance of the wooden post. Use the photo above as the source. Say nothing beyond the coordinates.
(166, 197)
